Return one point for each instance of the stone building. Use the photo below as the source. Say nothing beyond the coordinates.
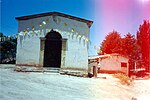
(53, 40)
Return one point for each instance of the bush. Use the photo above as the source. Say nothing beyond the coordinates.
(8, 51)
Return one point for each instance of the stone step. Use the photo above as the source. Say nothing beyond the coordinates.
(52, 70)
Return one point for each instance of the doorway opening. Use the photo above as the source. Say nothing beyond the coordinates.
(52, 49)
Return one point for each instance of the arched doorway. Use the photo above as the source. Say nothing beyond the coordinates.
(52, 50)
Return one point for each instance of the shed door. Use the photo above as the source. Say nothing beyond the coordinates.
(52, 51)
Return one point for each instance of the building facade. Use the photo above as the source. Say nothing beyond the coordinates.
(53, 40)
(111, 63)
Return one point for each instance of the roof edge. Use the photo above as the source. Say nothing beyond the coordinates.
(88, 22)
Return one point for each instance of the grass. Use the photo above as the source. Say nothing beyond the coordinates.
(125, 80)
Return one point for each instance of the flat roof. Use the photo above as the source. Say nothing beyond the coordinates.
(103, 56)
(88, 22)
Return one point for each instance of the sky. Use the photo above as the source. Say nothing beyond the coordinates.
(122, 16)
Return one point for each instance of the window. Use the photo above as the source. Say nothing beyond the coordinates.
(123, 64)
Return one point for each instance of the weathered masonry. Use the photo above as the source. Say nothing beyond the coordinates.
(53, 40)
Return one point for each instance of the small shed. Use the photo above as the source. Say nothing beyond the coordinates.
(53, 39)
(110, 63)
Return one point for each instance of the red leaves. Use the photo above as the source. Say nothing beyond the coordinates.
(112, 43)
(143, 37)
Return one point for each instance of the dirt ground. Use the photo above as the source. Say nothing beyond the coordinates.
(53, 86)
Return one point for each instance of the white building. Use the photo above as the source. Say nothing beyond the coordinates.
(53, 40)
(110, 63)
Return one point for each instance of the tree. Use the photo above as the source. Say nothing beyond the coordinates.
(8, 50)
(126, 46)
(143, 37)
(112, 43)
(129, 47)
(1, 34)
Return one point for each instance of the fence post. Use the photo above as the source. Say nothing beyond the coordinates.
(95, 71)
